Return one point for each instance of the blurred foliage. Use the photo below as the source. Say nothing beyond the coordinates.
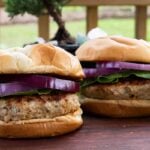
(34, 7)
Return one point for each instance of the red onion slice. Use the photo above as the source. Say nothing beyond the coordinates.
(106, 68)
(24, 83)
(94, 72)
(7, 89)
(123, 65)
(40, 81)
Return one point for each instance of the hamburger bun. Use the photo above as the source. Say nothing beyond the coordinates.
(41, 127)
(40, 59)
(115, 49)
(116, 108)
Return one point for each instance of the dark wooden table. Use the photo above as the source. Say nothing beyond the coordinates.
(96, 134)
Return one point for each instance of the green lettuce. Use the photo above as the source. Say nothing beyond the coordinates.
(114, 78)
(35, 92)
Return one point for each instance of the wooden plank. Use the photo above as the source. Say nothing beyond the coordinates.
(141, 22)
(103, 2)
(43, 27)
(92, 17)
(96, 134)
(108, 2)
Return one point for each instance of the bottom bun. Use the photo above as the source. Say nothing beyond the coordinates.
(116, 108)
(41, 127)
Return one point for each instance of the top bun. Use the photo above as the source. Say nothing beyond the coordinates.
(41, 59)
(115, 48)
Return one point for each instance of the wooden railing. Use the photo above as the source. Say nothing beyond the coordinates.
(1, 3)
(92, 15)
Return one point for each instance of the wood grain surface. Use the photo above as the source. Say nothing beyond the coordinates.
(96, 134)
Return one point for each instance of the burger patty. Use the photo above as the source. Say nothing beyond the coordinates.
(126, 90)
(37, 107)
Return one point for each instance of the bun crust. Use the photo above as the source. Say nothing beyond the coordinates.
(116, 108)
(115, 48)
(40, 58)
(42, 127)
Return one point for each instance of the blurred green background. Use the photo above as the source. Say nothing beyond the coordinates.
(18, 34)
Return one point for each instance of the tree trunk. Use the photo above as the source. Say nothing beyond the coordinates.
(62, 35)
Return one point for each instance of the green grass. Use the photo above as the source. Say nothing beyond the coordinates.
(17, 35)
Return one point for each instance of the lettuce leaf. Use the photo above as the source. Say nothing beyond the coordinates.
(33, 92)
(114, 78)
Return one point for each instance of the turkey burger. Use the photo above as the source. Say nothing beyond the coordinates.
(38, 86)
(117, 82)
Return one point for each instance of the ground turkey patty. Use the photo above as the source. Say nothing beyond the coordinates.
(37, 107)
(133, 89)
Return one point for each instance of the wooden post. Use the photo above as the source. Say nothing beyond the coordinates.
(91, 17)
(1, 3)
(43, 27)
(141, 21)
